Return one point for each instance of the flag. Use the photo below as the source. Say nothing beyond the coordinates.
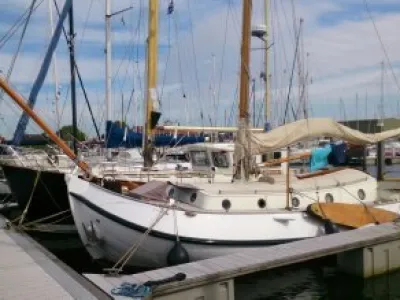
(171, 7)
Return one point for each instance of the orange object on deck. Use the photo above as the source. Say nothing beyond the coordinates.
(351, 215)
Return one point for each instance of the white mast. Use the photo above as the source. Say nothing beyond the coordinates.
(267, 108)
(55, 74)
(108, 67)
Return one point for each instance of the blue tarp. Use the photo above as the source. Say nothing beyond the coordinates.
(338, 154)
(115, 138)
(319, 158)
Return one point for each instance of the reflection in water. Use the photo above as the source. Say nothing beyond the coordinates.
(315, 280)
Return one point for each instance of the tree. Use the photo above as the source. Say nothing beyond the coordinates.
(66, 134)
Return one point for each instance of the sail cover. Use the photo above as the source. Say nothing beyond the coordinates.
(283, 136)
(117, 136)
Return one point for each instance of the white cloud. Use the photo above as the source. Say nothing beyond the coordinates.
(344, 55)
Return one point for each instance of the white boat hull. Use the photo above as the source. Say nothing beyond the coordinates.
(110, 223)
(108, 234)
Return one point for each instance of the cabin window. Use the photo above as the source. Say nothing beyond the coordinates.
(200, 158)
(176, 157)
(220, 159)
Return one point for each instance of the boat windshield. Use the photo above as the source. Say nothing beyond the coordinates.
(200, 158)
(220, 159)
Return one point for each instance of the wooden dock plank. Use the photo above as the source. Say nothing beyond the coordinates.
(254, 260)
(28, 271)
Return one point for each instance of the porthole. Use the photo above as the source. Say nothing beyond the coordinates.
(193, 197)
(328, 198)
(226, 204)
(361, 194)
(261, 203)
(295, 202)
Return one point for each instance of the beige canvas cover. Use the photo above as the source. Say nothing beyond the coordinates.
(306, 129)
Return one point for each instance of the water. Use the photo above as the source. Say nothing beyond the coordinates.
(315, 280)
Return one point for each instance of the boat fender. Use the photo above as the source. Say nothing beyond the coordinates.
(177, 255)
(330, 227)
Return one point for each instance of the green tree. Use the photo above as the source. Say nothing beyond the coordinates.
(66, 133)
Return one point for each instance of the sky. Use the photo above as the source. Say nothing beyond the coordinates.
(335, 72)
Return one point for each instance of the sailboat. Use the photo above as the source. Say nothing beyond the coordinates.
(219, 214)
(224, 208)
(38, 184)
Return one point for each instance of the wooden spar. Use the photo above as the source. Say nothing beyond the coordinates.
(182, 129)
(244, 86)
(25, 107)
(287, 159)
(151, 82)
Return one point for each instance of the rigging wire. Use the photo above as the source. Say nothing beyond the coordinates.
(223, 60)
(382, 44)
(14, 28)
(179, 56)
(291, 79)
(15, 56)
(195, 65)
(167, 60)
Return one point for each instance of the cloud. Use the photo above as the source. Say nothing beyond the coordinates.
(344, 56)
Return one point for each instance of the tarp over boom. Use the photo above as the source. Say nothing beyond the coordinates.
(306, 129)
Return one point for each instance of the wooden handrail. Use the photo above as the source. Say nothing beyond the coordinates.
(286, 159)
(25, 107)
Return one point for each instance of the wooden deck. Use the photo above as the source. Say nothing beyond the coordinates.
(230, 266)
(28, 271)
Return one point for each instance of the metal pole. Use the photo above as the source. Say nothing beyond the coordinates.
(55, 75)
(108, 69)
(72, 69)
(267, 110)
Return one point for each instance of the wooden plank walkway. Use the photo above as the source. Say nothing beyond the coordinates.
(249, 261)
(28, 271)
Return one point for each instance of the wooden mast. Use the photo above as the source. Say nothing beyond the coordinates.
(244, 84)
(151, 88)
(25, 107)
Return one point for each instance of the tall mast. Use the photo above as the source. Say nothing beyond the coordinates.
(244, 82)
(72, 68)
(267, 109)
(108, 68)
(55, 74)
(151, 82)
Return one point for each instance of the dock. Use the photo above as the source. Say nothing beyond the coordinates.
(29, 271)
(365, 252)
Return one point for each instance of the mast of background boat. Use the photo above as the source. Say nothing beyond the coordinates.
(55, 74)
(72, 68)
(151, 81)
(267, 109)
(29, 111)
(244, 87)
(108, 71)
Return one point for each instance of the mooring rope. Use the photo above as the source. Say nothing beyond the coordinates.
(37, 222)
(25, 211)
(132, 250)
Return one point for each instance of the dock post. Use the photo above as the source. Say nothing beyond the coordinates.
(370, 261)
